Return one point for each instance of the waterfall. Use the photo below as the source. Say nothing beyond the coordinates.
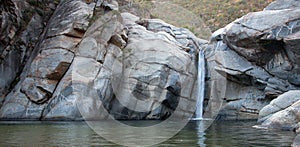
(201, 86)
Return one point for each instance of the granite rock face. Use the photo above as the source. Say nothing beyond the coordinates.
(282, 113)
(52, 56)
(133, 69)
(283, 4)
(22, 24)
(258, 54)
(88, 57)
(94, 60)
(280, 103)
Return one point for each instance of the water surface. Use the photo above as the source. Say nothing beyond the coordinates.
(220, 134)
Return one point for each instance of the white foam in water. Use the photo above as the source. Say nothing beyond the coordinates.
(196, 119)
(204, 119)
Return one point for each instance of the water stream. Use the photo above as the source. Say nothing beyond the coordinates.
(201, 86)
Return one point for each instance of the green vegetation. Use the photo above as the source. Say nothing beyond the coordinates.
(204, 16)
(218, 13)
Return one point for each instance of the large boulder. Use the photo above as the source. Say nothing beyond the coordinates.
(285, 119)
(22, 24)
(137, 70)
(259, 57)
(282, 102)
(96, 63)
(242, 95)
(49, 62)
(267, 43)
(283, 4)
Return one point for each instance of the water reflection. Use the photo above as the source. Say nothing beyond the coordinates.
(241, 133)
(201, 133)
(48, 134)
(221, 134)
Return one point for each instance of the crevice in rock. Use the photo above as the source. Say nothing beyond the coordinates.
(58, 83)
(231, 100)
(98, 3)
(42, 112)
(46, 97)
(41, 101)
(144, 82)
(59, 71)
(123, 113)
(101, 59)
(243, 79)
(27, 96)
(48, 94)
(34, 54)
(248, 27)
(144, 23)
(233, 48)
(274, 76)
(242, 72)
(166, 65)
(63, 75)
(244, 109)
(78, 34)
(291, 25)
(288, 59)
(118, 41)
(271, 45)
(67, 35)
(12, 85)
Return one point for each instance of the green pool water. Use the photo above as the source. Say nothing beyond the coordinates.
(219, 134)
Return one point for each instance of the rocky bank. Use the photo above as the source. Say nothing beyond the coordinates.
(259, 56)
(135, 68)
(63, 54)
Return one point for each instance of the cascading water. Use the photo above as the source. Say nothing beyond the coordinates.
(201, 86)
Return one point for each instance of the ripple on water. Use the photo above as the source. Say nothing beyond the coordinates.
(221, 134)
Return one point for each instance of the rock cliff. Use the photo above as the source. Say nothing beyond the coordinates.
(136, 68)
(22, 24)
(60, 58)
(259, 56)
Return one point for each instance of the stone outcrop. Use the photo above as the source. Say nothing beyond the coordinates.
(283, 4)
(22, 24)
(282, 113)
(259, 56)
(47, 65)
(280, 103)
(61, 60)
(93, 59)
(296, 142)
